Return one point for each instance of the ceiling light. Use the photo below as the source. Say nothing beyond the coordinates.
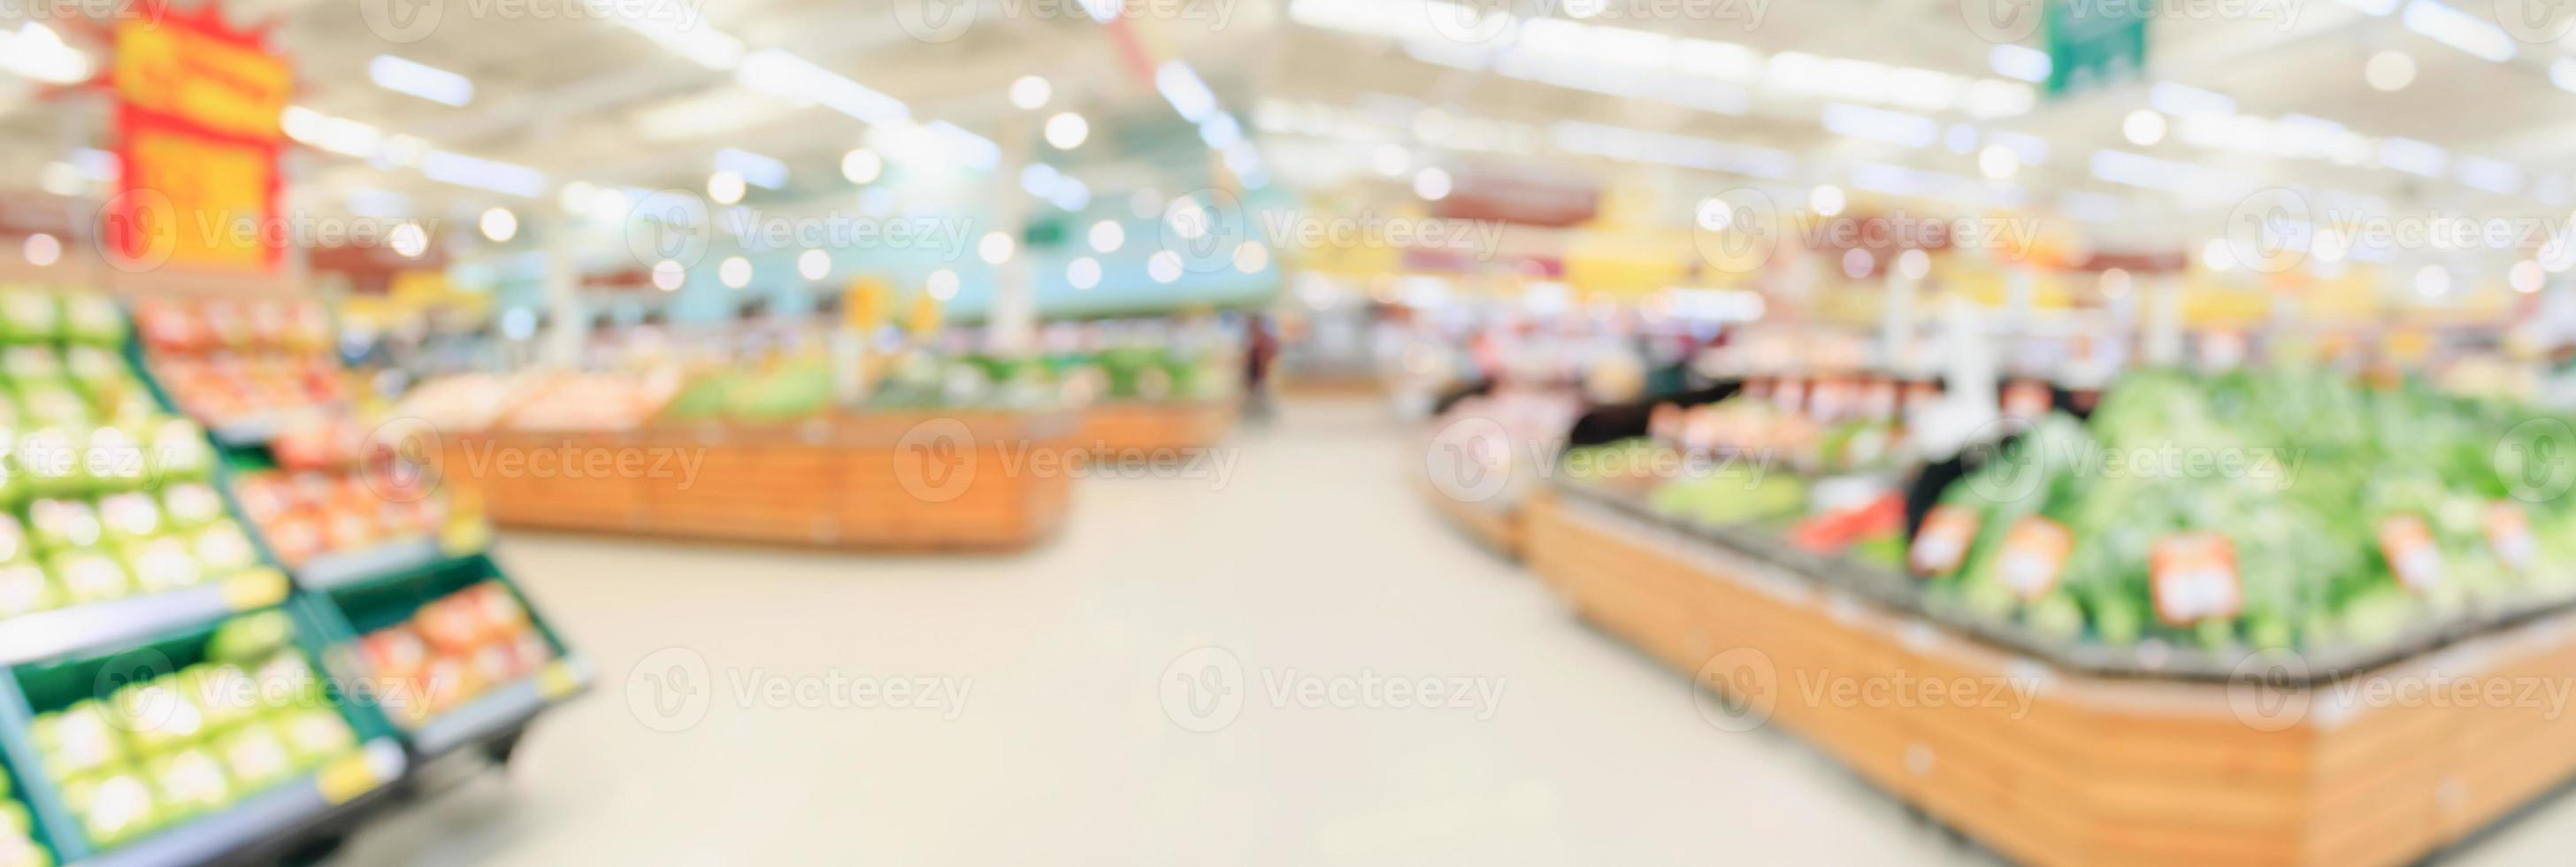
(1826, 200)
(1067, 131)
(725, 187)
(1107, 236)
(814, 265)
(1998, 163)
(421, 80)
(2462, 30)
(2217, 256)
(409, 240)
(862, 166)
(1432, 184)
(1914, 264)
(2018, 61)
(995, 248)
(788, 76)
(500, 225)
(2389, 71)
(43, 250)
(2433, 281)
(1083, 273)
(1164, 267)
(1880, 125)
(1031, 91)
(941, 284)
(500, 177)
(734, 272)
(2143, 127)
(668, 275)
(1250, 257)
(2114, 283)
(764, 172)
(2526, 277)
(37, 52)
(1391, 160)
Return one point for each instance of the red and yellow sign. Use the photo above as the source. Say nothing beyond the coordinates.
(198, 108)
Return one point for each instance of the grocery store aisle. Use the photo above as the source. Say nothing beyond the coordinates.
(749, 712)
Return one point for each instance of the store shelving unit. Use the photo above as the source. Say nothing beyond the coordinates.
(2092, 769)
(1138, 427)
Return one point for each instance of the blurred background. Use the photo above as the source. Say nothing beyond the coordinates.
(1286, 431)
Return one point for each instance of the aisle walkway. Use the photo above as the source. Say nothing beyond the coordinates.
(1323, 584)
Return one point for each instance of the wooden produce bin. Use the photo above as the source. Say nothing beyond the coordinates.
(1143, 428)
(2080, 769)
(1497, 528)
(908, 481)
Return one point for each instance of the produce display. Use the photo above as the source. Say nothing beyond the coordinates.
(18, 845)
(155, 754)
(451, 650)
(1147, 372)
(229, 363)
(307, 513)
(2276, 509)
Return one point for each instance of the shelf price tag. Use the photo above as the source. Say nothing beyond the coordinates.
(557, 680)
(347, 777)
(465, 535)
(2407, 542)
(2034, 555)
(1943, 541)
(2195, 578)
(2509, 532)
(253, 588)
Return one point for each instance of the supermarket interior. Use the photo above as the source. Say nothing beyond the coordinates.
(530, 432)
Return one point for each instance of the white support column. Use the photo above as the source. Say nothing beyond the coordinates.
(2163, 339)
(567, 328)
(1010, 326)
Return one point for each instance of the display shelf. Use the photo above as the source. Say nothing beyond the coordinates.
(1140, 429)
(1496, 527)
(2086, 769)
(907, 480)
(98, 626)
(245, 434)
(340, 568)
(502, 710)
(261, 826)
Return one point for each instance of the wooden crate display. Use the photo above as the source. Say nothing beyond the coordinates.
(903, 481)
(2077, 769)
(1109, 429)
(1498, 528)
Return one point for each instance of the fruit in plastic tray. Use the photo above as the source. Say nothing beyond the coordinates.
(223, 547)
(315, 735)
(114, 807)
(29, 315)
(254, 755)
(88, 576)
(78, 739)
(60, 524)
(157, 714)
(189, 781)
(163, 563)
(190, 505)
(251, 637)
(128, 516)
(26, 589)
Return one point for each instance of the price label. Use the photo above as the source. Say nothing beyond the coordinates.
(2195, 578)
(557, 680)
(255, 588)
(347, 777)
(1664, 423)
(2407, 542)
(2509, 532)
(2034, 555)
(1943, 541)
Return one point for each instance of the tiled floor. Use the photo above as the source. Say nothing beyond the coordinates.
(1052, 709)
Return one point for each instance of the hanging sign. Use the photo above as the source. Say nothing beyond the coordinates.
(198, 108)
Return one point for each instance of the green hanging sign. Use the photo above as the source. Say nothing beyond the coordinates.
(2095, 43)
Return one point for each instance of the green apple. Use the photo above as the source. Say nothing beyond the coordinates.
(113, 460)
(224, 692)
(255, 756)
(15, 821)
(93, 319)
(78, 739)
(251, 637)
(223, 548)
(13, 539)
(190, 781)
(190, 505)
(163, 563)
(179, 450)
(113, 808)
(49, 460)
(157, 715)
(88, 576)
(315, 735)
(57, 524)
(287, 682)
(129, 515)
(28, 315)
(30, 366)
(26, 589)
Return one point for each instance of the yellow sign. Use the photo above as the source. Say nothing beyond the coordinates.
(924, 320)
(200, 201)
(195, 72)
(867, 304)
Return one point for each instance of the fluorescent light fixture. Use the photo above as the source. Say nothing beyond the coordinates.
(975, 151)
(687, 35)
(2562, 72)
(756, 170)
(2462, 30)
(2183, 100)
(779, 73)
(1881, 125)
(335, 134)
(482, 174)
(421, 80)
(1182, 88)
(2140, 170)
(1990, 98)
(2019, 61)
(1672, 150)
(1720, 60)
(378, 202)
(1221, 131)
(2092, 207)
(2489, 174)
(37, 52)
(2414, 157)
(1923, 89)
(1071, 195)
(2372, 7)
(1038, 178)
(1102, 10)
(97, 165)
